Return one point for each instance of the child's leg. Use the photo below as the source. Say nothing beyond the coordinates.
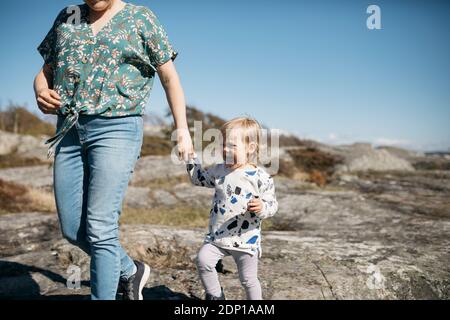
(247, 265)
(207, 258)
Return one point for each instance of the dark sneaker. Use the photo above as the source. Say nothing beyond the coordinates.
(132, 287)
(211, 297)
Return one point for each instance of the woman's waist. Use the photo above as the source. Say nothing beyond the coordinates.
(100, 111)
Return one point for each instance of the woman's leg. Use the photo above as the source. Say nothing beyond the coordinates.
(207, 258)
(71, 179)
(112, 149)
(69, 186)
(247, 265)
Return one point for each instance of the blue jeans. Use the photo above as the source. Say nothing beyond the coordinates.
(92, 167)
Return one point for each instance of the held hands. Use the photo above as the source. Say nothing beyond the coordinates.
(255, 205)
(48, 101)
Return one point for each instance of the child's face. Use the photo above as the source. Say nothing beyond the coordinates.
(234, 148)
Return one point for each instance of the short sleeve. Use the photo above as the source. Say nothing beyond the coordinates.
(156, 42)
(47, 47)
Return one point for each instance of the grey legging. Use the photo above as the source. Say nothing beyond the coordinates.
(247, 265)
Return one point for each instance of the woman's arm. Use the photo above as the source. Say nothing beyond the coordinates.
(175, 97)
(47, 99)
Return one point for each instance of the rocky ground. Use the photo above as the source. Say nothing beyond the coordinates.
(378, 230)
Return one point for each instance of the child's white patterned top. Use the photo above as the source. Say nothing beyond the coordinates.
(231, 226)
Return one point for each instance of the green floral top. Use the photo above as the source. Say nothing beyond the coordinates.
(111, 73)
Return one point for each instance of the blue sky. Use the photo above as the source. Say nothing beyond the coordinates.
(308, 67)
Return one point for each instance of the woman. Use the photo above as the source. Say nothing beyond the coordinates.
(101, 58)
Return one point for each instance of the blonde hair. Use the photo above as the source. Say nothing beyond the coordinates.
(250, 132)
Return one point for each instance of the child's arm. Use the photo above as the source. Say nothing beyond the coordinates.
(268, 198)
(198, 175)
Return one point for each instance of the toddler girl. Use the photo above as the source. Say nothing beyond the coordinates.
(245, 195)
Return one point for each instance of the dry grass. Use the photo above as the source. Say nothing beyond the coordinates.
(310, 159)
(166, 183)
(317, 165)
(318, 177)
(13, 160)
(18, 198)
(156, 146)
(168, 254)
(184, 216)
(432, 164)
(179, 216)
(41, 201)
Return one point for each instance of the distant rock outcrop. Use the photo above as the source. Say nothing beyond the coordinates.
(12, 142)
(406, 154)
(363, 157)
(25, 146)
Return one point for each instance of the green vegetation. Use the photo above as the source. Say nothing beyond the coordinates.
(18, 119)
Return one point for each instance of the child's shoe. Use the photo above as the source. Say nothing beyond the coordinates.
(211, 297)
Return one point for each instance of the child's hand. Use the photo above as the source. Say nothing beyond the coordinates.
(255, 205)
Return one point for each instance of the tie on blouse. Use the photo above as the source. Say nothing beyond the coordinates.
(67, 124)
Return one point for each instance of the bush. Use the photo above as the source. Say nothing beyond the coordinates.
(18, 119)
(156, 146)
(317, 164)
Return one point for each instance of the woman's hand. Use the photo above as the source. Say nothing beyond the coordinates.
(48, 101)
(255, 205)
(185, 146)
